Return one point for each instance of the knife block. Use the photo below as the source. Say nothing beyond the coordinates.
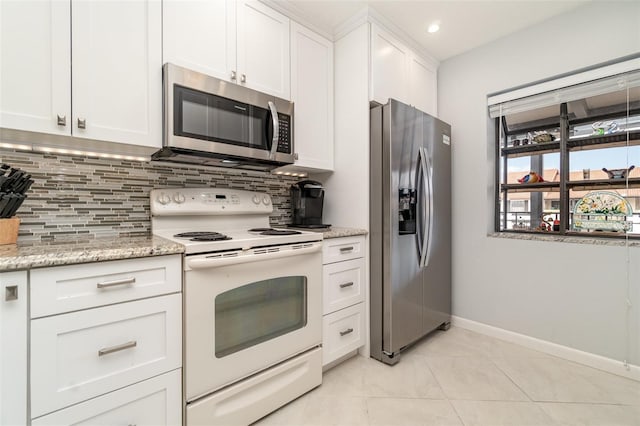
(9, 230)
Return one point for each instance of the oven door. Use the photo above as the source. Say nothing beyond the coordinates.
(246, 313)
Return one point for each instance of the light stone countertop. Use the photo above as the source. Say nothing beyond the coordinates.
(601, 241)
(336, 231)
(30, 255)
(40, 254)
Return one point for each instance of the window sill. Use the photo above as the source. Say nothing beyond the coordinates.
(566, 239)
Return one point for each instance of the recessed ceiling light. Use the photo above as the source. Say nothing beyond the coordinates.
(433, 27)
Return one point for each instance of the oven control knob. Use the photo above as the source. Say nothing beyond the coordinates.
(178, 198)
(164, 199)
(266, 200)
(256, 199)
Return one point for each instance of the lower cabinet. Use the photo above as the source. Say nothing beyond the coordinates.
(106, 343)
(103, 349)
(344, 284)
(153, 402)
(342, 332)
(13, 348)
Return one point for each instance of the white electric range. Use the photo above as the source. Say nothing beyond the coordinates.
(252, 303)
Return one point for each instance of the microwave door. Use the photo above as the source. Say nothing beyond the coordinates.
(215, 123)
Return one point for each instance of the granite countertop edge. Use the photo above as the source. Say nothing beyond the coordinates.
(337, 232)
(33, 255)
(566, 239)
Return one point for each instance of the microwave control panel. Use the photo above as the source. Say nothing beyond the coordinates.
(284, 136)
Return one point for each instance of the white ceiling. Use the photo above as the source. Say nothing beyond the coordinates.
(464, 25)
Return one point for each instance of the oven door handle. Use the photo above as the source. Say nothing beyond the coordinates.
(209, 261)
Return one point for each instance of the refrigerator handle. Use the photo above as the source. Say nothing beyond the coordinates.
(420, 190)
(427, 223)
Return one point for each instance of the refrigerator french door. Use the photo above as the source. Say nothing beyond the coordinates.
(410, 225)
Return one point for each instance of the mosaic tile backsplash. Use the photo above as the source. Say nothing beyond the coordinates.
(84, 196)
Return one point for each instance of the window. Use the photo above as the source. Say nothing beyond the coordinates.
(519, 205)
(568, 160)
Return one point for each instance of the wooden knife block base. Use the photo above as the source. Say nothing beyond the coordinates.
(9, 230)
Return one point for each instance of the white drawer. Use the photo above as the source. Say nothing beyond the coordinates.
(248, 400)
(62, 289)
(342, 332)
(84, 354)
(339, 249)
(342, 285)
(154, 402)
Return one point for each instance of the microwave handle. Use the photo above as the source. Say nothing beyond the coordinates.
(276, 130)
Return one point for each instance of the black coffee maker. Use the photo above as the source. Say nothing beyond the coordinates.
(307, 198)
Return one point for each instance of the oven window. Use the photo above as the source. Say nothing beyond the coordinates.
(249, 315)
(209, 117)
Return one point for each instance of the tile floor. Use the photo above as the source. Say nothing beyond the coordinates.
(459, 377)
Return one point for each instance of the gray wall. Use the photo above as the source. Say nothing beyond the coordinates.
(571, 294)
(75, 196)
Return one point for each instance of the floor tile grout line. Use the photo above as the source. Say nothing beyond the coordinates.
(443, 392)
(453, 407)
(436, 379)
(513, 381)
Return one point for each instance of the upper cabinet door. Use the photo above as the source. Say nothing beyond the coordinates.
(263, 49)
(35, 66)
(200, 35)
(389, 67)
(117, 71)
(312, 92)
(423, 85)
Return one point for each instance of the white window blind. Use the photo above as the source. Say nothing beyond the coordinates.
(515, 101)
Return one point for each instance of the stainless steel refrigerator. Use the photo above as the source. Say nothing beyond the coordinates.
(410, 227)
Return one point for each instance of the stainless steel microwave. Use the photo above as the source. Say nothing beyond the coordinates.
(214, 122)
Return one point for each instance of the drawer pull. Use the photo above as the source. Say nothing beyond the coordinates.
(347, 331)
(346, 249)
(349, 284)
(10, 293)
(117, 348)
(114, 283)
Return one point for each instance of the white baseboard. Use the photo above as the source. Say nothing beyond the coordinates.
(592, 360)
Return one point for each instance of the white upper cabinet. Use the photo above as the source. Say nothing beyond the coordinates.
(117, 71)
(114, 91)
(263, 49)
(200, 35)
(389, 67)
(423, 85)
(35, 66)
(312, 93)
(399, 73)
(244, 42)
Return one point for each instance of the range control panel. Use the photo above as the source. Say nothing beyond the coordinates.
(208, 201)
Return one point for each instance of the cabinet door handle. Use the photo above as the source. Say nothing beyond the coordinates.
(344, 285)
(62, 120)
(117, 348)
(233, 75)
(10, 293)
(243, 78)
(346, 249)
(114, 283)
(82, 123)
(347, 331)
